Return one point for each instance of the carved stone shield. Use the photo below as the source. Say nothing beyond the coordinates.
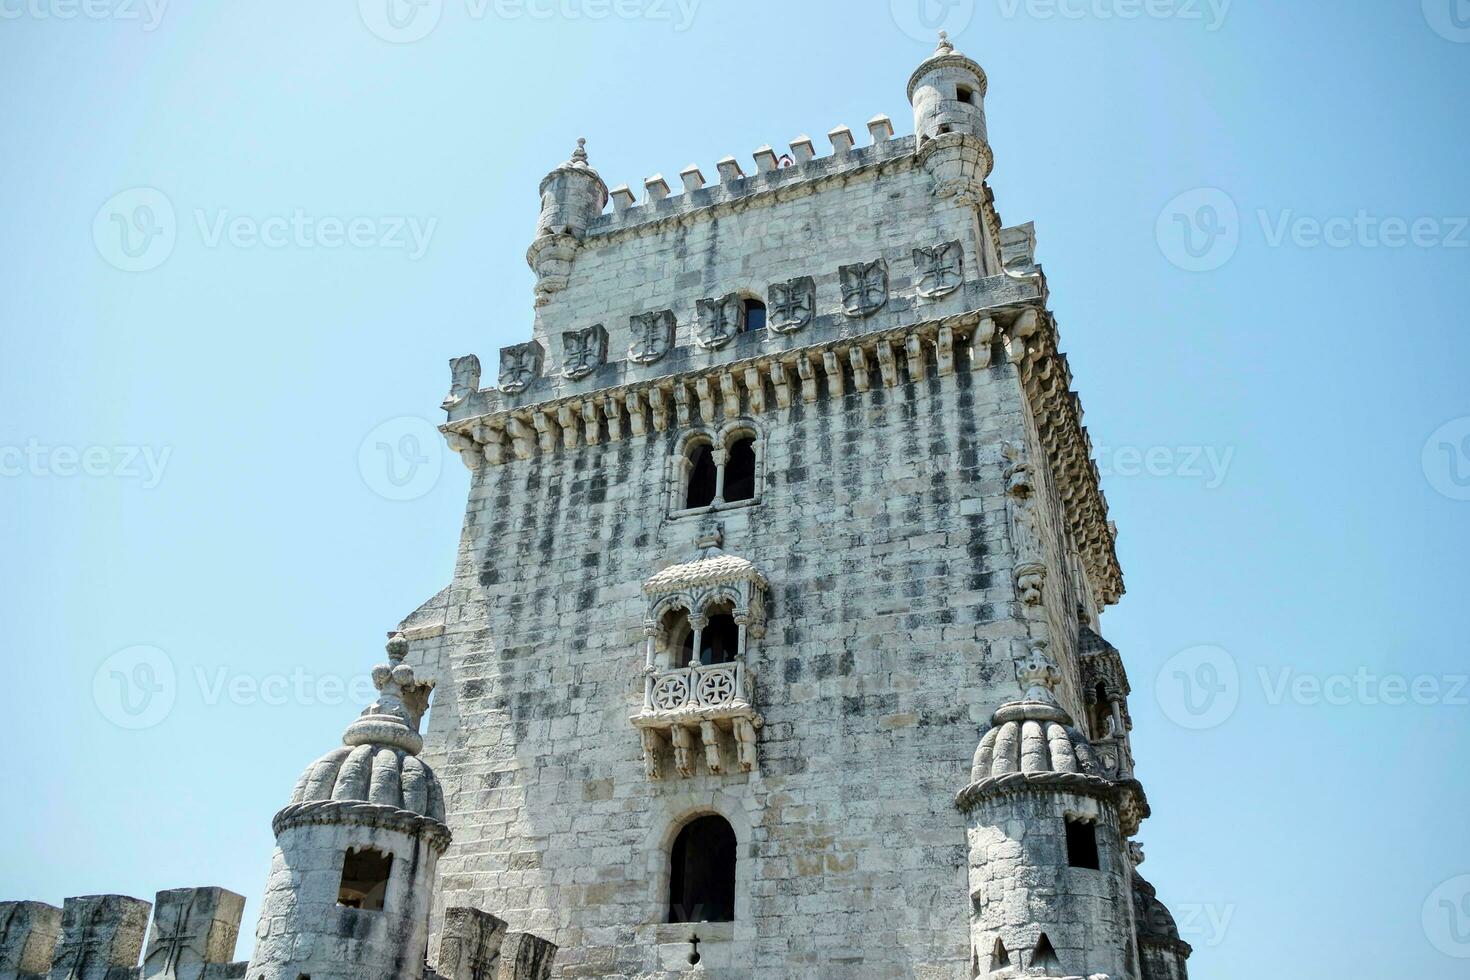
(584, 351)
(520, 365)
(719, 321)
(940, 268)
(653, 336)
(864, 287)
(464, 379)
(792, 304)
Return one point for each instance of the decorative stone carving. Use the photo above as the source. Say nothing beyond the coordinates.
(711, 699)
(99, 933)
(719, 321)
(192, 928)
(940, 269)
(583, 351)
(653, 336)
(864, 287)
(469, 944)
(792, 304)
(1030, 569)
(464, 380)
(520, 365)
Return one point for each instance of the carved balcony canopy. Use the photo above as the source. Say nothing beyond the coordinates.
(702, 614)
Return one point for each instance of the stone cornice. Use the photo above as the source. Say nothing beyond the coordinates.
(770, 381)
(360, 814)
(1012, 783)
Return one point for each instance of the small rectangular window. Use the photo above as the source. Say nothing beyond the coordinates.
(1082, 845)
(965, 95)
(364, 879)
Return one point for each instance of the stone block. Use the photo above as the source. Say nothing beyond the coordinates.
(525, 957)
(192, 928)
(28, 935)
(469, 944)
(99, 933)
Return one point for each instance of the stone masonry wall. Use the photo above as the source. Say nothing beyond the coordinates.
(882, 530)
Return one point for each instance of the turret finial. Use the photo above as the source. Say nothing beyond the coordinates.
(579, 155)
(944, 46)
(1039, 674)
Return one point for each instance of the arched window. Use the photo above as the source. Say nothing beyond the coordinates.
(752, 315)
(702, 872)
(740, 470)
(702, 476)
(719, 641)
(678, 638)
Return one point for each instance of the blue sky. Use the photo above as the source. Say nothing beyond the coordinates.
(1253, 221)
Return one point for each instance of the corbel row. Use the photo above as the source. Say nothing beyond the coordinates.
(1046, 378)
(758, 385)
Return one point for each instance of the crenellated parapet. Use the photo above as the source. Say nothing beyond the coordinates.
(109, 937)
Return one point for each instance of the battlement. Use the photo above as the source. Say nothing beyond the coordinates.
(786, 172)
(102, 937)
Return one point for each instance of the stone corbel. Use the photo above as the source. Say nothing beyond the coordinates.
(887, 363)
(730, 391)
(980, 344)
(683, 750)
(566, 420)
(522, 437)
(681, 404)
(808, 376)
(745, 742)
(914, 348)
(592, 422)
(709, 734)
(658, 402)
(612, 409)
(861, 375)
(545, 431)
(781, 382)
(652, 743)
(944, 350)
(756, 389)
(637, 423)
(832, 367)
(706, 399)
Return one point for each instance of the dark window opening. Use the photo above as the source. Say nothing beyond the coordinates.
(753, 316)
(1045, 955)
(1082, 845)
(364, 879)
(702, 872)
(943, 129)
(965, 95)
(1102, 712)
(680, 637)
(720, 640)
(701, 477)
(740, 470)
(1000, 958)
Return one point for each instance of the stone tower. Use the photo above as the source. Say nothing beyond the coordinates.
(353, 874)
(786, 499)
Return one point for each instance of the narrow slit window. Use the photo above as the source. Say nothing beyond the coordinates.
(740, 470)
(754, 316)
(701, 477)
(1082, 845)
(702, 872)
(365, 876)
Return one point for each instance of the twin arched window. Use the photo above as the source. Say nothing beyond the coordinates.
(718, 475)
(717, 639)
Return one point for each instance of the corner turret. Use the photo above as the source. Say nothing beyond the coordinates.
(571, 196)
(1050, 878)
(352, 879)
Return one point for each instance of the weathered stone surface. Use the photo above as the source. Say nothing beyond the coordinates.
(29, 932)
(99, 933)
(192, 928)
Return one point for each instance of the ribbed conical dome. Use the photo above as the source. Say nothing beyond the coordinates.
(1034, 734)
(378, 762)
